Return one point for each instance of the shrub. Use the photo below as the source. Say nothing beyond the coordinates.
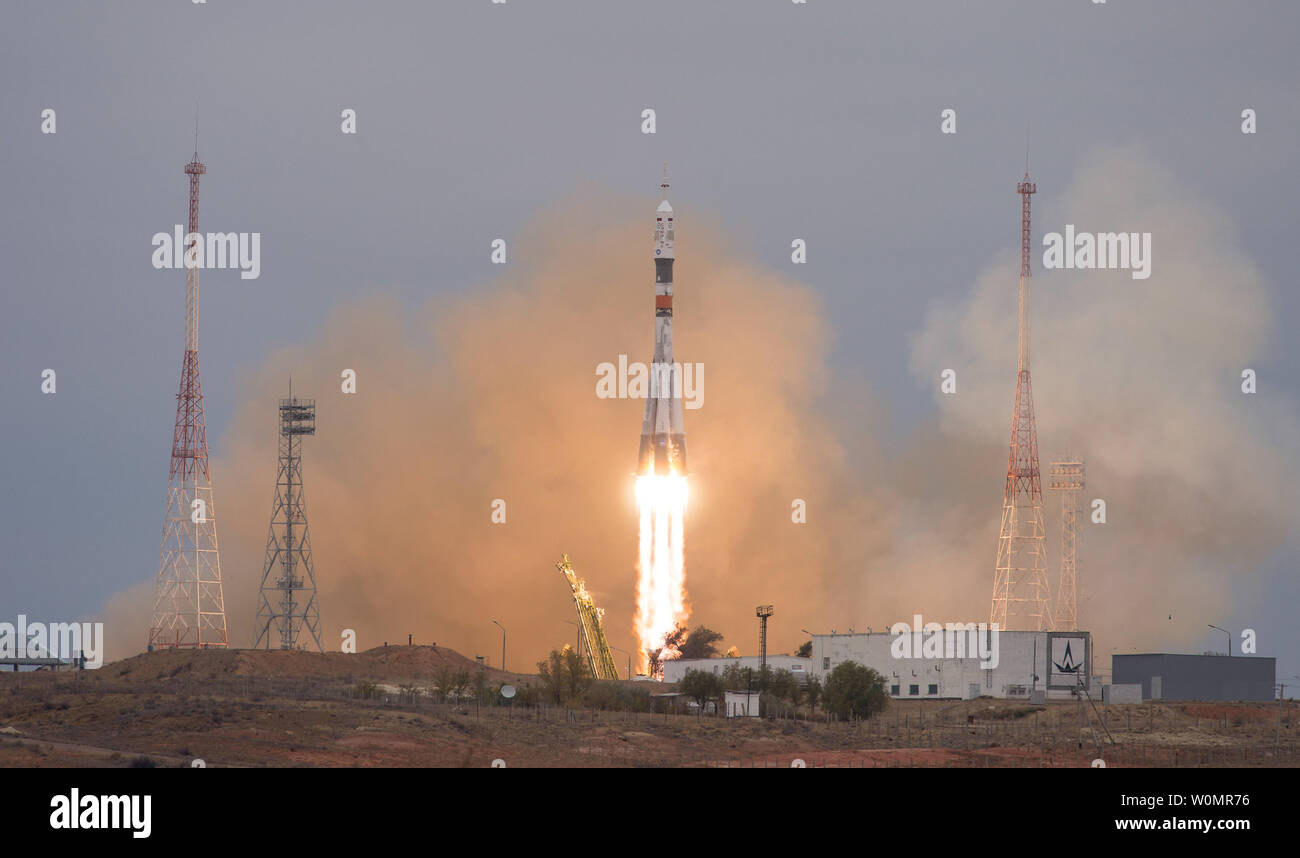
(854, 690)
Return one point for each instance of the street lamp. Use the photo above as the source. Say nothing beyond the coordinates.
(503, 644)
(1226, 632)
(629, 659)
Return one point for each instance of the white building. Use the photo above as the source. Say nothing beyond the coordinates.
(675, 669)
(742, 704)
(962, 662)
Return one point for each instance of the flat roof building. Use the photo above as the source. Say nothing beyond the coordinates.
(962, 661)
(1173, 676)
(675, 669)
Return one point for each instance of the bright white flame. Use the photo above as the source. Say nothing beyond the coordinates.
(661, 566)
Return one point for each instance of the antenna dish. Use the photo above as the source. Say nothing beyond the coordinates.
(507, 691)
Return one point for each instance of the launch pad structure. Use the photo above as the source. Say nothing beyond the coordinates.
(599, 657)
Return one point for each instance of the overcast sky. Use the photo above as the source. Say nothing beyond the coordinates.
(779, 120)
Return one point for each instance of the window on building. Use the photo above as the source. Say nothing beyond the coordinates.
(913, 690)
(934, 689)
(826, 663)
(893, 690)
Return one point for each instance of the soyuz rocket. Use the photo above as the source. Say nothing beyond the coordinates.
(663, 433)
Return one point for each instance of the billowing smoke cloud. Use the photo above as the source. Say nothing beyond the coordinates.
(492, 395)
(1142, 378)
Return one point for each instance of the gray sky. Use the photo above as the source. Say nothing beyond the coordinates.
(818, 121)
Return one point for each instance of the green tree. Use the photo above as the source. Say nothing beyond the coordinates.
(813, 690)
(796, 691)
(854, 690)
(737, 678)
(577, 674)
(701, 642)
(564, 675)
(780, 683)
(702, 686)
(805, 650)
(445, 678)
(460, 683)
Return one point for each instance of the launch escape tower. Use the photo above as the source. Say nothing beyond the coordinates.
(1021, 597)
(663, 432)
(599, 656)
(1067, 478)
(190, 610)
(287, 604)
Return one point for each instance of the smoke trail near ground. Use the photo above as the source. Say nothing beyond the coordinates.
(1142, 378)
(491, 396)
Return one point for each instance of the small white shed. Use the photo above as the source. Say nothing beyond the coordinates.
(742, 704)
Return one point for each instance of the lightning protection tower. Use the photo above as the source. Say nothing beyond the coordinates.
(762, 612)
(1021, 598)
(1067, 478)
(190, 609)
(288, 605)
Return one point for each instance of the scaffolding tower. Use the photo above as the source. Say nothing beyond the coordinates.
(287, 604)
(592, 630)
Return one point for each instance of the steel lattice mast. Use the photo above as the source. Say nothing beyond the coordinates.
(1021, 597)
(599, 657)
(1067, 478)
(190, 610)
(288, 605)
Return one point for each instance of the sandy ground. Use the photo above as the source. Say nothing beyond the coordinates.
(247, 708)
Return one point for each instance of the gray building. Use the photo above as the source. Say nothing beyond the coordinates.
(1170, 676)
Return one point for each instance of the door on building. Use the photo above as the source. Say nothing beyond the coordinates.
(1156, 687)
(972, 690)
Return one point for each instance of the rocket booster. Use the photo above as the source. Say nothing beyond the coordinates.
(663, 432)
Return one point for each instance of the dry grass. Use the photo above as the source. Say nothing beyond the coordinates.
(243, 708)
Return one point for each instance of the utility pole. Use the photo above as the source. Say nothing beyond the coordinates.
(503, 644)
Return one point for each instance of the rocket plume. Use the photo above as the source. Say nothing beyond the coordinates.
(897, 522)
(661, 567)
(661, 469)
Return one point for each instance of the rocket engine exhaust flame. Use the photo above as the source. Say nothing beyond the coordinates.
(661, 473)
(661, 564)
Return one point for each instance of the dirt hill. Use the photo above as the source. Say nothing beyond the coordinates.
(381, 664)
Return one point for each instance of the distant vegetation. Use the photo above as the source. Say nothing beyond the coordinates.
(855, 691)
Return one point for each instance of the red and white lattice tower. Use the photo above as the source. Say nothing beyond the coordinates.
(1021, 597)
(190, 610)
